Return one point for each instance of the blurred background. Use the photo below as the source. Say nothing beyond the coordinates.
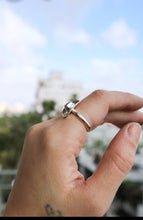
(53, 51)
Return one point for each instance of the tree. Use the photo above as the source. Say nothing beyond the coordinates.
(74, 97)
(13, 130)
(12, 137)
(48, 106)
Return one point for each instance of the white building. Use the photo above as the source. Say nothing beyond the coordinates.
(15, 109)
(57, 89)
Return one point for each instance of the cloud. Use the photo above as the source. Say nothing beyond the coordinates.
(65, 20)
(69, 12)
(17, 36)
(67, 35)
(107, 67)
(15, 30)
(19, 62)
(112, 74)
(119, 35)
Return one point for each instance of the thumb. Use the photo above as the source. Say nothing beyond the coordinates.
(113, 167)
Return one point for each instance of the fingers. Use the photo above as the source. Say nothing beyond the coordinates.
(98, 104)
(124, 101)
(115, 164)
(67, 136)
(120, 118)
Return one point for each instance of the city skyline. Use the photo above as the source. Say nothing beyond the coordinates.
(96, 42)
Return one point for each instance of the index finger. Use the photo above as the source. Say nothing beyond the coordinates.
(98, 104)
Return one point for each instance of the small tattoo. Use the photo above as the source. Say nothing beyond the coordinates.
(52, 212)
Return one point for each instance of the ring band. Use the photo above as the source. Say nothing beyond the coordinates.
(69, 108)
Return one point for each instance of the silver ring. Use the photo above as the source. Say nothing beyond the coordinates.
(69, 108)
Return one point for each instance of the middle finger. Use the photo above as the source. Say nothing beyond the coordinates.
(120, 118)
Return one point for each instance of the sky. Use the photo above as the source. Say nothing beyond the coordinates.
(96, 42)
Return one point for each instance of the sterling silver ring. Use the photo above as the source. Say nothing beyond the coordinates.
(69, 108)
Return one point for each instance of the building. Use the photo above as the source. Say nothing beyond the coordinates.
(57, 89)
(8, 110)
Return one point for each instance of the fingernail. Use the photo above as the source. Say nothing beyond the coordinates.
(134, 131)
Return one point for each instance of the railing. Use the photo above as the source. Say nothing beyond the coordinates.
(6, 177)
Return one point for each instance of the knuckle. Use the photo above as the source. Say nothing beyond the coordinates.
(133, 146)
(46, 133)
(100, 93)
(129, 103)
(123, 162)
(47, 136)
(128, 94)
(32, 130)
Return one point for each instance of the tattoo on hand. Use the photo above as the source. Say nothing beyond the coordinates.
(52, 212)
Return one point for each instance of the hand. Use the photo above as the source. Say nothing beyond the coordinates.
(48, 181)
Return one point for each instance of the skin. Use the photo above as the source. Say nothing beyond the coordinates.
(48, 181)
